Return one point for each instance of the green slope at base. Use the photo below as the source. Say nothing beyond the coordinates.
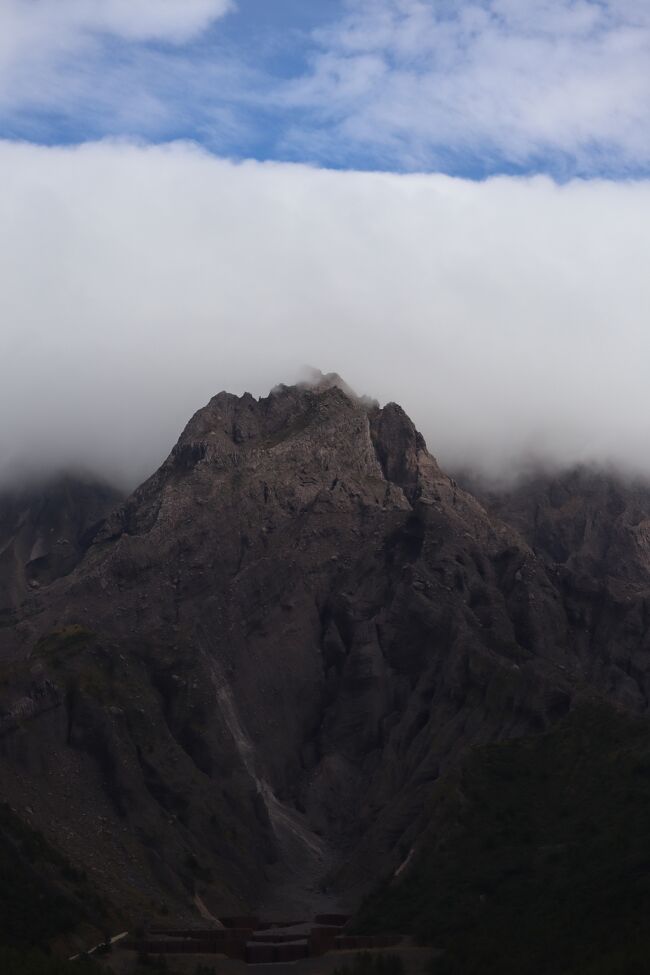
(537, 856)
(42, 896)
(14, 961)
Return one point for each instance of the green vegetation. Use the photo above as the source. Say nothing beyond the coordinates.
(200, 871)
(63, 643)
(537, 858)
(35, 962)
(41, 894)
(365, 963)
(55, 648)
(32, 909)
(150, 964)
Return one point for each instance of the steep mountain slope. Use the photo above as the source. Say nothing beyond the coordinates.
(590, 521)
(536, 855)
(591, 528)
(247, 689)
(42, 897)
(44, 530)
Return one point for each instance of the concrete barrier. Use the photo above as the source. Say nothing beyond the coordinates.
(346, 942)
(291, 951)
(282, 924)
(218, 934)
(261, 953)
(233, 948)
(337, 920)
(243, 921)
(159, 947)
(259, 946)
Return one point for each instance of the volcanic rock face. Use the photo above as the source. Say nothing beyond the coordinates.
(44, 531)
(591, 529)
(248, 686)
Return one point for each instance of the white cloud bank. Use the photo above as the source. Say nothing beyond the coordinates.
(508, 317)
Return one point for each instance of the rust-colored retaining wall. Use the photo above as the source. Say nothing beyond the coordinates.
(255, 948)
(216, 934)
(273, 937)
(235, 948)
(258, 953)
(291, 952)
(322, 940)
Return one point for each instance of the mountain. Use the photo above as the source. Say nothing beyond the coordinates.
(535, 857)
(45, 527)
(253, 685)
(591, 530)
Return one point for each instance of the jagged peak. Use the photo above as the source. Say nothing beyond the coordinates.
(319, 381)
(226, 411)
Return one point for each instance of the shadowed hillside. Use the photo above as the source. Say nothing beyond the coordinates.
(536, 858)
(255, 684)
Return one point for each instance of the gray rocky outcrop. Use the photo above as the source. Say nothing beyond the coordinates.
(275, 646)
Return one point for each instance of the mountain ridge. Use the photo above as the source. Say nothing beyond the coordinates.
(279, 643)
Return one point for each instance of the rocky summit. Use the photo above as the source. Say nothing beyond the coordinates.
(246, 686)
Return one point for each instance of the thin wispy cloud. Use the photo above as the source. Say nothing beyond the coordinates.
(559, 84)
(50, 28)
(98, 66)
(472, 87)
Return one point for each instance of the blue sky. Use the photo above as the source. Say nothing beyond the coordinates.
(466, 88)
